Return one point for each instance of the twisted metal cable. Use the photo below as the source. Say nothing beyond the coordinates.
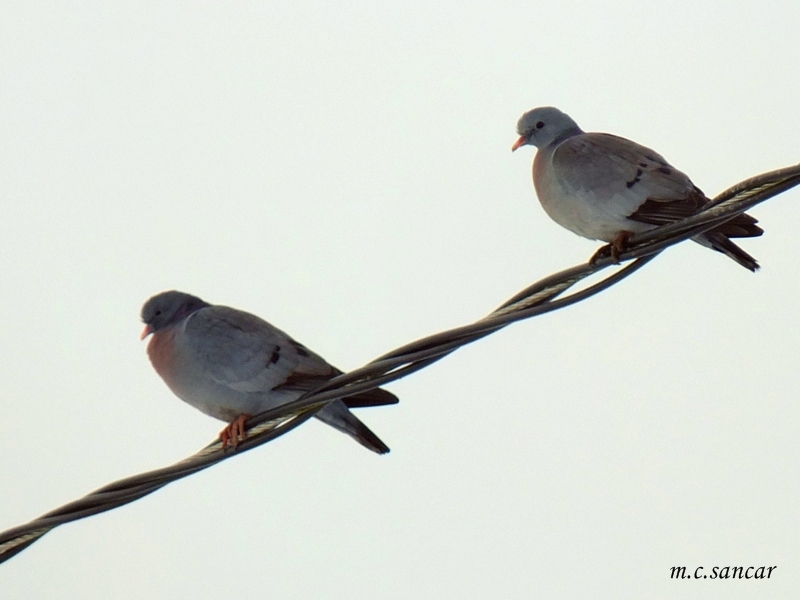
(539, 298)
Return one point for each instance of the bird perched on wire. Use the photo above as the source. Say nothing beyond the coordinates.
(231, 364)
(605, 187)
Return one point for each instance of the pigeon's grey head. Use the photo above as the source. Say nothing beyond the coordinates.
(168, 308)
(544, 125)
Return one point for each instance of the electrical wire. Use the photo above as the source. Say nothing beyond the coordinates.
(542, 297)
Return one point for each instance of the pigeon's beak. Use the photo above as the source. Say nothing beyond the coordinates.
(520, 142)
(147, 331)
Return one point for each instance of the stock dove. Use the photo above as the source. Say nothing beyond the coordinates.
(605, 187)
(230, 364)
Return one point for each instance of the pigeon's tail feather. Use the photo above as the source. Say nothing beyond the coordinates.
(719, 241)
(337, 415)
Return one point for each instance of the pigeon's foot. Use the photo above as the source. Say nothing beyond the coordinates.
(234, 432)
(615, 248)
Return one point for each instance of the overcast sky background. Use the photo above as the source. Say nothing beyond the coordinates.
(344, 171)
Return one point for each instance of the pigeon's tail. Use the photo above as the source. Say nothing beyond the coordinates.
(337, 415)
(740, 226)
(721, 243)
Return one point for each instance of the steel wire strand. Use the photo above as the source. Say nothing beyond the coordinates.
(127, 490)
(541, 297)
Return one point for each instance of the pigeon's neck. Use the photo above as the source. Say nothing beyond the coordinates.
(187, 310)
(565, 135)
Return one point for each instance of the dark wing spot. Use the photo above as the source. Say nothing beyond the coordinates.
(276, 356)
(301, 350)
(643, 165)
(635, 180)
(665, 170)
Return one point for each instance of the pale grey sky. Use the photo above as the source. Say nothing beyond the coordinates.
(344, 171)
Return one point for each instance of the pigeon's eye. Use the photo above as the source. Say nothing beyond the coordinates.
(540, 124)
(158, 313)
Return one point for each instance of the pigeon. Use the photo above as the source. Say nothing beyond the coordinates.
(605, 187)
(231, 365)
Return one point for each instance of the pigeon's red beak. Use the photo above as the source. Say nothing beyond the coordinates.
(520, 142)
(147, 331)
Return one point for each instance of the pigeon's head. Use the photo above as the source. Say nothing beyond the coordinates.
(543, 126)
(168, 308)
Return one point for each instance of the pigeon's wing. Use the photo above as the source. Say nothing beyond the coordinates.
(304, 380)
(247, 354)
(638, 183)
(626, 179)
(376, 397)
